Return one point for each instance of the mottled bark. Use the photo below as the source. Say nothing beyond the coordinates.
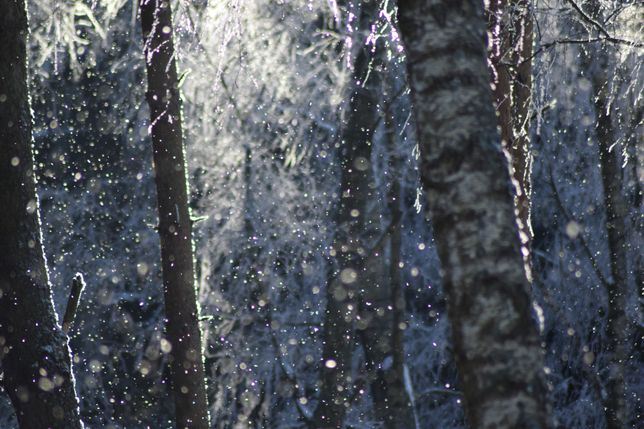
(616, 205)
(175, 226)
(510, 29)
(34, 351)
(349, 248)
(466, 179)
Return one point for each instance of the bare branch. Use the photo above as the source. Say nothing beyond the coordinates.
(617, 11)
(588, 18)
(599, 27)
(439, 391)
(554, 43)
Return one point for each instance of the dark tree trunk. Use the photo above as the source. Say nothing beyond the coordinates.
(34, 352)
(394, 407)
(175, 226)
(510, 26)
(597, 63)
(349, 242)
(522, 26)
(382, 305)
(466, 179)
(617, 328)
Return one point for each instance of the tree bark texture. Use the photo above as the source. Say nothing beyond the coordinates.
(34, 351)
(349, 247)
(510, 52)
(175, 227)
(466, 179)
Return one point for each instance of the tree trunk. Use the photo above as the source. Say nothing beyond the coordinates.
(597, 62)
(382, 304)
(34, 352)
(510, 62)
(175, 226)
(349, 242)
(521, 98)
(466, 179)
(395, 406)
(617, 328)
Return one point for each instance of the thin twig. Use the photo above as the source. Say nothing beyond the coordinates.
(439, 391)
(588, 18)
(617, 11)
(599, 27)
(554, 43)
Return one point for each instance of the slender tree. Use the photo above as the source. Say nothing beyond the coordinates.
(381, 307)
(616, 213)
(383, 301)
(510, 59)
(34, 352)
(349, 248)
(175, 226)
(466, 179)
(355, 280)
(381, 304)
(616, 206)
(596, 62)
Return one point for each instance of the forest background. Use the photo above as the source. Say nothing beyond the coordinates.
(268, 90)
